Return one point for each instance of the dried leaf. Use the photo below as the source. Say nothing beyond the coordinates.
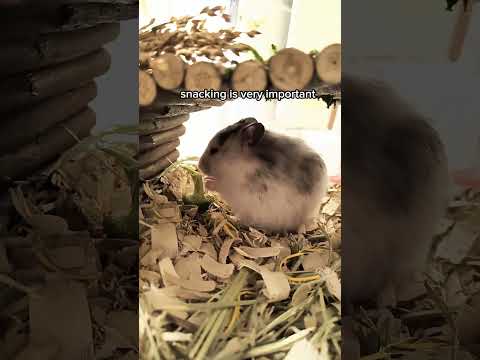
(48, 225)
(456, 246)
(164, 236)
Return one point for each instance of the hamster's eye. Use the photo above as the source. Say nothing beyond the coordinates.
(213, 151)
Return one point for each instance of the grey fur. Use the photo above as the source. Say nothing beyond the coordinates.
(394, 190)
(274, 162)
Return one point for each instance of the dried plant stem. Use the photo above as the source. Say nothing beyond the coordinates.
(208, 333)
(277, 346)
(220, 305)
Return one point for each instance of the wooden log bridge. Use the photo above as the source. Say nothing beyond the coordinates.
(163, 111)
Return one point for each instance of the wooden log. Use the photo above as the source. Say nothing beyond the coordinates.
(202, 75)
(170, 111)
(168, 135)
(157, 167)
(332, 117)
(29, 21)
(25, 126)
(95, 13)
(168, 71)
(167, 98)
(47, 147)
(328, 64)
(322, 89)
(29, 89)
(147, 88)
(156, 154)
(460, 30)
(249, 76)
(161, 125)
(48, 49)
(291, 69)
(148, 142)
(35, 4)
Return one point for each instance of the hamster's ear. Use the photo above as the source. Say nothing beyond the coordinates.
(253, 133)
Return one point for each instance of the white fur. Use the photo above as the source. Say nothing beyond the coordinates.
(282, 207)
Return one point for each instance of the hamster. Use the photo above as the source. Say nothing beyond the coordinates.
(395, 190)
(271, 181)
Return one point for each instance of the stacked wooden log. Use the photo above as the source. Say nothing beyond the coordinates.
(51, 54)
(161, 126)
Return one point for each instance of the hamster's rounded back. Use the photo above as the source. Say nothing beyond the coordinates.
(394, 189)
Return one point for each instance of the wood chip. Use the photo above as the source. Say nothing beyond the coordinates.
(316, 261)
(61, 313)
(192, 242)
(208, 248)
(67, 257)
(457, 244)
(215, 268)
(255, 253)
(225, 250)
(167, 270)
(188, 267)
(277, 287)
(164, 236)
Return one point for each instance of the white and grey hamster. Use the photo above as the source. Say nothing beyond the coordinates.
(270, 180)
(394, 190)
